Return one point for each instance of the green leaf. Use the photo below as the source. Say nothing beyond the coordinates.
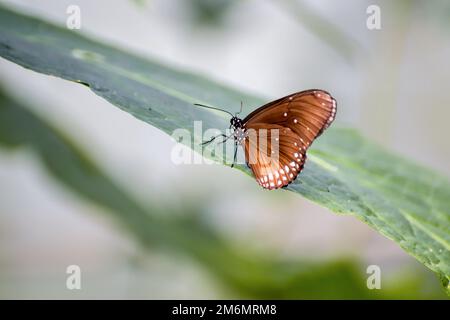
(346, 173)
(158, 226)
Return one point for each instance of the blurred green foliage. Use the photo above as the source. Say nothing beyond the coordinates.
(210, 12)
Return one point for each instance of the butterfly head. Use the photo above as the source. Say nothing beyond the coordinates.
(236, 123)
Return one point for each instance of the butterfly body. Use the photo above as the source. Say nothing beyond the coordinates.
(239, 132)
(276, 136)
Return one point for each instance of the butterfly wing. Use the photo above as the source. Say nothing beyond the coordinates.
(300, 118)
(273, 172)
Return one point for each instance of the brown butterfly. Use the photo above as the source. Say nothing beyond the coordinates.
(291, 123)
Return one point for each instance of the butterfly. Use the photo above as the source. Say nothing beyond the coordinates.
(286, 128)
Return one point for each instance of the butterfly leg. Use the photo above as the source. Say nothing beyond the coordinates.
(235, 154)
(225, 140)
(212, 139)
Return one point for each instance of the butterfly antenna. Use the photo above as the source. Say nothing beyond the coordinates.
(209, 107)
(239, 111)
